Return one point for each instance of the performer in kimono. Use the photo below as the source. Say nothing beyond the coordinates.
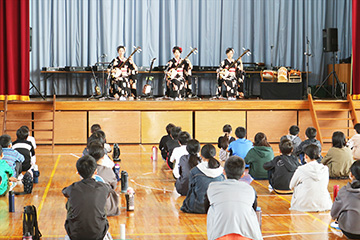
(178, 75)
(230, 81)
(122, 73)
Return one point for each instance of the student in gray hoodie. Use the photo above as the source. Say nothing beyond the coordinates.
(346, 208)
(293, 136)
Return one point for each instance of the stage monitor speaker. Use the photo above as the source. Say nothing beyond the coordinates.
(330, 40)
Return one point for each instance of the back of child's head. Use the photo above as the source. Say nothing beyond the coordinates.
(286, 146)
(227, 128)
(240, 132)
(26, 128)
(169, 127)
(175, 131)
(312, 151)
(260, 140)
(355, 171)
(310, 132)
(294, 130)
(208, 151)
(102, 134)
(5, 140)
(193, 148)
(224, 143)
(96, 136)
(338, 139)
(22, 133)
(95, 127)
(96, 150)
(234, 167)
(184, 137)
(357, 128)
(86, 166)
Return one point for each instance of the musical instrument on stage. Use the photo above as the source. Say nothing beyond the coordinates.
(147, 87)
(225, 72)
(172, 72)
(269, 74)
(282, 75)
(117, 72)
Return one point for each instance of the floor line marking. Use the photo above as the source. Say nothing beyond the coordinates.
(309, 214)
(153, 188)
(74, 155)
(293, 234)
(48, 186)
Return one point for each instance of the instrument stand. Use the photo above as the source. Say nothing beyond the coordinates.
(164, 97)
(196, 89)
(34, 86)
(333, 89)
(308, 55)
(94, 96)
(106, 95)
(151, 94)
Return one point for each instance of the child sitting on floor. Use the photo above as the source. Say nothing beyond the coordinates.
(311, 135)
(339, 157)
(86, 215)
(241, 146)
(6, 175)
(164, 140)
(354, 142)
(209, 170)
(227, 129)
(187, 162)
(24, 147)
(293, 136)
(258, 155)
(178, 152)
(282, 168)
(172, 144)
(96, 150)
(13, 158)
(223, 153)
(310, 184)
(346, 208)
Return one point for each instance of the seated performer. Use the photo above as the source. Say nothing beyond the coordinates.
(178, 73)
(122, 82)
(230, 81)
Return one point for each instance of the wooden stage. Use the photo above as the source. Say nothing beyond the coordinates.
(157, 214)
(137, 126)
(144, 121)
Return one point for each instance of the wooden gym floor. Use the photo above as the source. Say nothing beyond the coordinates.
(157, 214)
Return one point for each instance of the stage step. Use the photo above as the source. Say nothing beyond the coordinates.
(333, 119)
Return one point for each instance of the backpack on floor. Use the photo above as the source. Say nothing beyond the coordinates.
(28, 184)
(30, 223)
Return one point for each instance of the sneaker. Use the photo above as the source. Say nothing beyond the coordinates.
(131, 98)
(122, 98)
(231, 98)
(270, 188)
(177, 99)
(20, 177)
(335, 225)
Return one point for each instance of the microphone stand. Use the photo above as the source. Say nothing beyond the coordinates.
(307, 55)
(106, 95)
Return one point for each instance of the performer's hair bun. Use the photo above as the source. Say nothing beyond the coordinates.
(177, 48)
(121, 46)
(229, 49)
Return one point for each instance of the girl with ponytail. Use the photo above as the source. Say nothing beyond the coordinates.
(346, 207)
(186, 163)
(209, 170)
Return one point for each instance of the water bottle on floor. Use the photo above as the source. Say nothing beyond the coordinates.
(130, 199)
(11, 201)
(259, 215)
(124, 181)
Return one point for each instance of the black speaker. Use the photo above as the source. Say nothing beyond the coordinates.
(330, 40)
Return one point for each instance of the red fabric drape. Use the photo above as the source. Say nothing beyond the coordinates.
(356, 48)
(14, 49)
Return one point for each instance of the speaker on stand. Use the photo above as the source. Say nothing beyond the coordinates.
(330, 44)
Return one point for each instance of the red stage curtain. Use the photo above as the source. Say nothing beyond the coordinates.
(356, 48)
(14, 49)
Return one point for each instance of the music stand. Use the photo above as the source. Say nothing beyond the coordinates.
(333, 89)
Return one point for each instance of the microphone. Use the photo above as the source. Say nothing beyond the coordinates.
(104, 55)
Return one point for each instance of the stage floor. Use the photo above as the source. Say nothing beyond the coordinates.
(157, 212)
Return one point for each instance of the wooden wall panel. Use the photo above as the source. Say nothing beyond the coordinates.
(44, 125)
(119, 126)
(209, 124)
(153, 124)
(274, 124)
(1, 122)
(26, 116)
(70, 127)
(305, 121)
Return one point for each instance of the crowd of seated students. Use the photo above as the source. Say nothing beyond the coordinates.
(299, 170)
